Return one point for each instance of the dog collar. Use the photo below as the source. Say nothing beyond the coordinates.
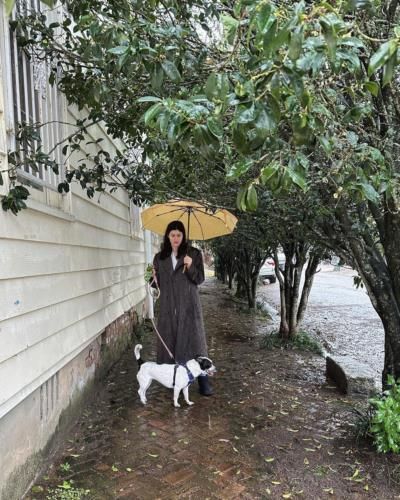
(189, 373)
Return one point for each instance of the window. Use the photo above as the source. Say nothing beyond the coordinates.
(34, 101)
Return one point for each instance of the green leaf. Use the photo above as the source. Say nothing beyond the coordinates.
(217, 87)
(152, 112)
(149, 98)
(245, 113)
(382, 55)
(263, 18)
(171, 71)
(173, 131)
(376, 155)
(369, 192)
(326, 145)
(352, 138)
(65, 486)
(388, 70)
(251, 198)
(269, 36)
(121, 49)
(215, 127)
(297, 177)
(372, 87)
(157, 77)
(239, 168)
(266, 119)
(230, 26)
(241, 198)
(268, 172)
(359, 4)
(295, 45)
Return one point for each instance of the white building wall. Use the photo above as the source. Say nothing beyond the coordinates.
(69, 267)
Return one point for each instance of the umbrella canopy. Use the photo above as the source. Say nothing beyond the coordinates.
(201, 223)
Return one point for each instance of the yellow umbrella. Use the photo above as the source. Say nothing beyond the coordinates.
(201, 222)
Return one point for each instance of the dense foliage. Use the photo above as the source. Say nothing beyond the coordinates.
(295, 99)
(385, 422)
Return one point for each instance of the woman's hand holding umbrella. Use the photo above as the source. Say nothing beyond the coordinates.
(187, 262)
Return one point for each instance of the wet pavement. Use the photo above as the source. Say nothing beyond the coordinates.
(273, 429)
(341, 317)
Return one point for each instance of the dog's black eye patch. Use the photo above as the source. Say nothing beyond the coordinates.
(205, 363)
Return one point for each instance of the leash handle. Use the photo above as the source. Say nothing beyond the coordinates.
(156, 294)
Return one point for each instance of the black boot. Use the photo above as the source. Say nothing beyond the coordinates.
(205, 388)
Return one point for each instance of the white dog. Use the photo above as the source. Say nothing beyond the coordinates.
(177, 377)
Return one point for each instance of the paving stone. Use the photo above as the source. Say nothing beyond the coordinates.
(232, 491)
(214, 449)
(179, 476)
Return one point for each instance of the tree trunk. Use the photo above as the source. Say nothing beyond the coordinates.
(230, 280)
(293, 297)
(311, 270)
(240, 289)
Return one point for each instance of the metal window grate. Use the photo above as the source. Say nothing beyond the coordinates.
(36, 101)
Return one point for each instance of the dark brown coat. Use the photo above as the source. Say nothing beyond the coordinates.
(180, 319)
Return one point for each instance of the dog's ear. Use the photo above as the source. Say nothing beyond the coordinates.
(198, 357)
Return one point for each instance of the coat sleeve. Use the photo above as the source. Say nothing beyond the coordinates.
(196, 271)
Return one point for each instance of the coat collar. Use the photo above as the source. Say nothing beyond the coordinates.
(168, 264)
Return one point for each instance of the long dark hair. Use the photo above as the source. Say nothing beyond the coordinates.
(166, 248)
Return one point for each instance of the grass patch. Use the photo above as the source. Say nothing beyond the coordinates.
(66, 491)
(362, 417)
(301, 342)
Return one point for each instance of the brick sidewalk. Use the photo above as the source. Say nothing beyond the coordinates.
(243, 442)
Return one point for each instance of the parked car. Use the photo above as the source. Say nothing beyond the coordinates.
(267, 271)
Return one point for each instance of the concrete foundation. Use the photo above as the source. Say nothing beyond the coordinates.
(29, 431)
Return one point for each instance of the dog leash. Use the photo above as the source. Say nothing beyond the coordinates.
(156, 296)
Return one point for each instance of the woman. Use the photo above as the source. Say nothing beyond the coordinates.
(178, 269)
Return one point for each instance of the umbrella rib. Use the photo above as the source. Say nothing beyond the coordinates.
(208, 214)
(201, 228)
(180, 209)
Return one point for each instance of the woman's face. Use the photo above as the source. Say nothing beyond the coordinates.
(175, 238)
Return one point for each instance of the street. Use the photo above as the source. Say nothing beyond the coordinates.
(340, 316)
